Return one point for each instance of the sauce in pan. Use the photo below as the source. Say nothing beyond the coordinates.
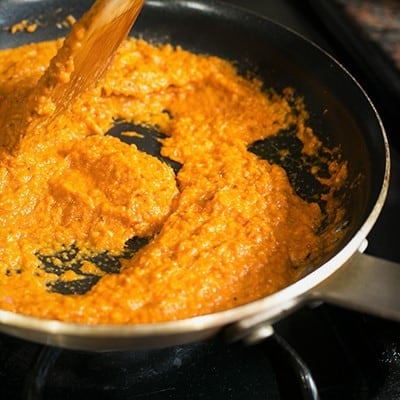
(226, 229)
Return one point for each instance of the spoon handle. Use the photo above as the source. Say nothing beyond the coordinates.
(88, 50)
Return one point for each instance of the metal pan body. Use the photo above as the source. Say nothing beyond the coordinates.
(340, 113)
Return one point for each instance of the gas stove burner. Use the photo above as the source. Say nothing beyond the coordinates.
(318, 354)
(171, 373)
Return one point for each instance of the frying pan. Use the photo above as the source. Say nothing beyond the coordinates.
(340, 113)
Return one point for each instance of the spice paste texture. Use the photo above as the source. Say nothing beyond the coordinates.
(226, 229)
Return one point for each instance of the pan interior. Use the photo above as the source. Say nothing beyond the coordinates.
(339, 112)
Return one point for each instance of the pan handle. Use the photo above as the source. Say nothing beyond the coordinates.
(365, 283)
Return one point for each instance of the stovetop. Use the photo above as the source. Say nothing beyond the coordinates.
(324, 353)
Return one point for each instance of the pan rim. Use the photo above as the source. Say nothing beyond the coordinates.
(268, 306)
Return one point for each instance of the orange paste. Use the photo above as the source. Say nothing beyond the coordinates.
(226, 230)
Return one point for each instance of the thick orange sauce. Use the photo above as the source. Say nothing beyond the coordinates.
(228, 229)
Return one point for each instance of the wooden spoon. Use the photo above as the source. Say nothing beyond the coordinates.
(78, 65)
(88, 50)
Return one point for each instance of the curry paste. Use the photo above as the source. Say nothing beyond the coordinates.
(227, 229)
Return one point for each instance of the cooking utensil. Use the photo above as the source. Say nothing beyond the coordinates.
(340, 113)
(100, 31)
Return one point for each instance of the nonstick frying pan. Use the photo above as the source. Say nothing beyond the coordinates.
(340, 113)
